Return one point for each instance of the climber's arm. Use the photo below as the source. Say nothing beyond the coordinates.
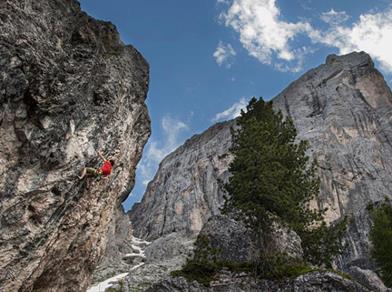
(101, 156)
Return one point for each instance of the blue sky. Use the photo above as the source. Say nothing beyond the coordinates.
(208, 57)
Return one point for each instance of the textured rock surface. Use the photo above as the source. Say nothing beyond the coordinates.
(368, 278)
(342, 107)
(119, 244)
(357, 251)
(68, 87)
(315, 281)
(121, 259)
(185, 191)
(356, 258)
(231, 239)
(163, 256)
(235, 243)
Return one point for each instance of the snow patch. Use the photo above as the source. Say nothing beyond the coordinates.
(137, 266)
(140, 241)
(131, 255)
(102, 286)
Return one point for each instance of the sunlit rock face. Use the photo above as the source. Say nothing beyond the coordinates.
(68, 87)
(185, 191)
(343, 108)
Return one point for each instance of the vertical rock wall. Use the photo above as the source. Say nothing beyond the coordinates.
(185, 191)
(68, 87)
(343, 108)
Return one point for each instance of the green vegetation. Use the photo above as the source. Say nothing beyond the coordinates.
(381, 237)
(278, 267)
(273, 181)
(120, 287)
(321, 244)
(270, 174)
(205, 265)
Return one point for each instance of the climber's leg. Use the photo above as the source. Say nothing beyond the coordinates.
(82, 173)
(89, 171)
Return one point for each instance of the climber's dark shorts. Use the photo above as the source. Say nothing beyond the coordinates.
(93, 172)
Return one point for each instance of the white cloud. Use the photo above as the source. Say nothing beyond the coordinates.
(156, 151)
(264, 34)
(274, 41)
(306, 4)
(224, 54)
(372, 33)
(333, 17)
(232, 112)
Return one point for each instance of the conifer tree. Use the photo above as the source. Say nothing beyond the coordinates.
(273, 180)
(381, 237)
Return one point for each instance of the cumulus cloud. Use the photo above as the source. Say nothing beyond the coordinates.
(232, 112)
(333, 17)
(156, 151)
(267, 36)
(372, 33)
(263, 32)
(224, 54)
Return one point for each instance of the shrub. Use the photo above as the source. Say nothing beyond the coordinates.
(381, 237)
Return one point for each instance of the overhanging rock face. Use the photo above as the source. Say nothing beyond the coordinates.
(68, 87)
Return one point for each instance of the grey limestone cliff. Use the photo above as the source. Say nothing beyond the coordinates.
(343, 108)
(185, 191)
(68, 87)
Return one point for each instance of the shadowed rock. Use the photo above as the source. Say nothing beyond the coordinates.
(234, 243)
(228, 282)
(68, 87)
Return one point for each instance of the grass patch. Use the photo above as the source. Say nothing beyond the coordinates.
(194, 271)
(120, 288)
(274, 268)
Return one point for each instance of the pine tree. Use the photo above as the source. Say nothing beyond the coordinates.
(273, 180)
(381, 237)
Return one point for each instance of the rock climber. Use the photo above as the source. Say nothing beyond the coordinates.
(105, 170)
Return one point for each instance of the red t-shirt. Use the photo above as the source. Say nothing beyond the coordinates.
(106, 168)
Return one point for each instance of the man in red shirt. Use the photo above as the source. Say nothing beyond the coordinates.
(105, 170)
